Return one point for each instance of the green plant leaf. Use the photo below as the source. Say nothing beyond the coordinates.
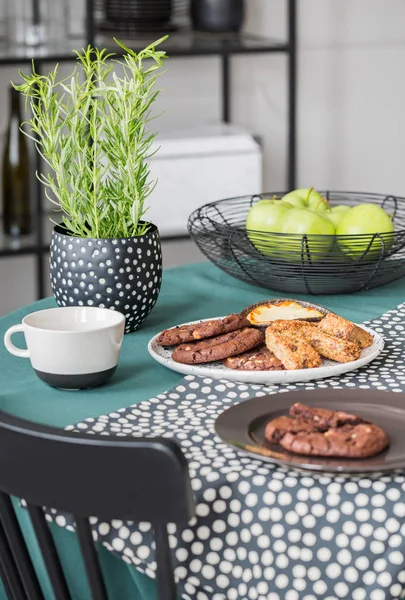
(91, 130)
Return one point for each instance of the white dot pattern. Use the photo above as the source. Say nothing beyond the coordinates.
(264, 531)
(122, 274)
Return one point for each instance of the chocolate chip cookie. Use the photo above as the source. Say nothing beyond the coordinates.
(202, 330)
(279, 427)
(321, 432)
(254, 360)
(219, 347)
(350, 441)
(324, 418)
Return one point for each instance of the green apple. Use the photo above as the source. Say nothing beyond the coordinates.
(361, 220)
(337, 213)
(305, 222)
(296, 199)
(265, 216)
(300, 222)
(318, 203)
(307, 198)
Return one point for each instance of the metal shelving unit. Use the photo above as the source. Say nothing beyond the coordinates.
(179, 44)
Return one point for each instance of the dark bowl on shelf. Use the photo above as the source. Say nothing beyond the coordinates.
(146, 10)
(312, 264)
(132, 17)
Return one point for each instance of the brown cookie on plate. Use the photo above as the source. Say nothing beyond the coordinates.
(279, 427)
(219, 347)
(324, 418)
(350, 441)
(293, 352)
(202, 330)
(254, 360)
(321, 432)
(346, 330)
(326, 345)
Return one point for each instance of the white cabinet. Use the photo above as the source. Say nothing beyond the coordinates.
(197, 166)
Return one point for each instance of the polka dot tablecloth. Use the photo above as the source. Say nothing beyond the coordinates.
(264, 532)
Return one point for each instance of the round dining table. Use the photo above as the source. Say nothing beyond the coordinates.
(188, 293)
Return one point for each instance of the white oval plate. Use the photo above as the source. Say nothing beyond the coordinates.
(217, 370)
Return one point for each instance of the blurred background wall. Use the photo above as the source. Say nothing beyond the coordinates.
(351, 106)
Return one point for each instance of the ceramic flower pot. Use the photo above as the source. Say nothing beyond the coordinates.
(123, 274)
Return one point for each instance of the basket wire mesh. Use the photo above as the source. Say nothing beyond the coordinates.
(308, 264)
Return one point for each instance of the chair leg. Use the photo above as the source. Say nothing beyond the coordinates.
(8, 571)
(6, 585)
(49, 553)
(17, 544)
(164, 576)
(90, 559)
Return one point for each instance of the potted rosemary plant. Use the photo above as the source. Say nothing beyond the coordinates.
(92, 131)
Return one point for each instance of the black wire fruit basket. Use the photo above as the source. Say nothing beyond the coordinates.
(307, 264)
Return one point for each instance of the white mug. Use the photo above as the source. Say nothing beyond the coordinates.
(72, 347)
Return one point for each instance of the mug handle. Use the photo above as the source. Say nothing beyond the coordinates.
(22, 353)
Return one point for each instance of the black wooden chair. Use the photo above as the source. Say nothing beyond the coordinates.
(85, 475)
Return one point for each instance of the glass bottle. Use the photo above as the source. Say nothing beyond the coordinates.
(16, 174)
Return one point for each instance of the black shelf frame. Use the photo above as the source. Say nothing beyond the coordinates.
(195, 45)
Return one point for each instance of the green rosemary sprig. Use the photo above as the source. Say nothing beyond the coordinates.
(92, 129)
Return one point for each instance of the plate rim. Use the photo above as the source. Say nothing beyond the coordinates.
(264, 377)
(399, 464)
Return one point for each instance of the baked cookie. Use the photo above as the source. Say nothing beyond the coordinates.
(219, 347)
(292, 351)
(324, 418)
(346, 330)
(254, 360)
(327, 345)
(202, 330)
(322, 432)
(350, 441)
(279, 427)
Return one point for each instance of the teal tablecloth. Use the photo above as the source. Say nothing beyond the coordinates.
(191, 292)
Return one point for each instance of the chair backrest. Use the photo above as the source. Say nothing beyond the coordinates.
(139, 479)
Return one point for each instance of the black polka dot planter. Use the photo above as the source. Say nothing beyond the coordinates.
(123, 274)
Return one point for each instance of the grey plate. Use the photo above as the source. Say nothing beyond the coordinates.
(245, 423)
